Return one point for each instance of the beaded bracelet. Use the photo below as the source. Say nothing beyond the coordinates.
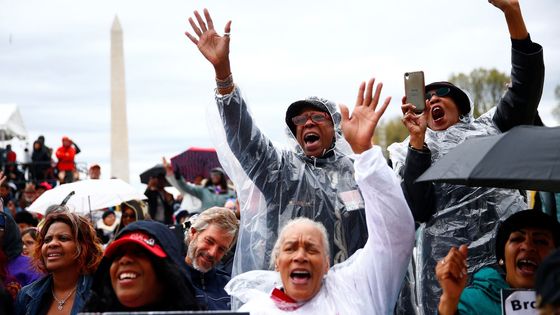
(424, 149)
(225, 83)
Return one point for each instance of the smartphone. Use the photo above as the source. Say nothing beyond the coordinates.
(414, 90)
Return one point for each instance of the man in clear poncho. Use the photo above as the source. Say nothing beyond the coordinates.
(452, 215)
(316, 180)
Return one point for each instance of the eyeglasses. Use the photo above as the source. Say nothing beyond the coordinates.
(442, 91)
(130, 216)
(317, 118)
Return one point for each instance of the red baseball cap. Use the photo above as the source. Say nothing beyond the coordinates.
(137, 237)
(45, 185)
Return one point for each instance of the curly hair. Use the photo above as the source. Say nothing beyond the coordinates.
(89, 249)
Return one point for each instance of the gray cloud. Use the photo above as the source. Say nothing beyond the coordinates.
(54, 61)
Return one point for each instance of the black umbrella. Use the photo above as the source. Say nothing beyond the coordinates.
(526, 157)
(156, 171)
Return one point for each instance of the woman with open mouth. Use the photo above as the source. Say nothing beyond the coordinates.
(142, 270)
(522, 243)
(303, 281)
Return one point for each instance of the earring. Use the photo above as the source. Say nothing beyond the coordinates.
(501, 262)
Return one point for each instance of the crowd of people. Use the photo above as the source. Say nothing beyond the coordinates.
(37, 171)
(328, 227)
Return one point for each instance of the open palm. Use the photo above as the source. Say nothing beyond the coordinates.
(359, 128)
(213, 47)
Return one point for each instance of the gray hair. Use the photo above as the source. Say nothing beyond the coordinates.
(299, 221)
(223, 218)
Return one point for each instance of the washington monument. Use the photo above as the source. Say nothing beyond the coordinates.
(119, 126)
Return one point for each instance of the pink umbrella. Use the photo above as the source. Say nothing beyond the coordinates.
(195, 162)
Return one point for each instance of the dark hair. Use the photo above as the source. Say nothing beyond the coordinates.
(3, 266)
(177, 295)
(525, 219)
(107, 213)
(223, 181)
(32, 231)
(25, 217)
(6, 301)
(89, 249)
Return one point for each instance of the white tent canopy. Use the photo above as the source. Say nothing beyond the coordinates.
(11, 123)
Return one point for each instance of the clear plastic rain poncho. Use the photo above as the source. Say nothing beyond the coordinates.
(275, 184)
(366, 283)
(464, 215)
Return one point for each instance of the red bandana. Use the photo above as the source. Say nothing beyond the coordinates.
(283, 301)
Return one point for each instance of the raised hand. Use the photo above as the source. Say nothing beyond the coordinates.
(451, 273)
(213, 47)
(167, 166)
(359, 128)
(504, 5)
(415, 123)
(514, 18)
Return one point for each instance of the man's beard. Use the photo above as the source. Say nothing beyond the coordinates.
(192, 254)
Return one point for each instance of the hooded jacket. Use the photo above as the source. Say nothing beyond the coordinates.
(41, 161)
(168, 242)
(65, 156)
(276, 184)
(453, 214)
(136, 207)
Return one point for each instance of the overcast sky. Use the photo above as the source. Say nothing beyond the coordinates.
(54, 61)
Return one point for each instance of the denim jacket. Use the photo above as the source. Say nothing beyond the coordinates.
(28, 301)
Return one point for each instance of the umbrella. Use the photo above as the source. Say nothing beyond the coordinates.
(526, 157)
(11, 123)
(156, 171)
(195, 162)
(87, 195)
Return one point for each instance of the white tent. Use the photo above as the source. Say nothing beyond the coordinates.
(11, 123)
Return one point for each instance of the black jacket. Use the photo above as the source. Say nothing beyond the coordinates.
(153, 197)
(209, 287)
(455, 214)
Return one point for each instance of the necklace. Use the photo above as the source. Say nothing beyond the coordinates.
(63, 301)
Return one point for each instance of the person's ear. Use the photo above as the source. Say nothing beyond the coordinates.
(192, 233)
